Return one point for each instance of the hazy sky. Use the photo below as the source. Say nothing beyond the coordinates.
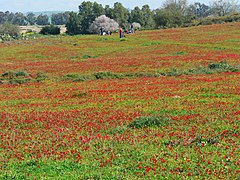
(72, 5)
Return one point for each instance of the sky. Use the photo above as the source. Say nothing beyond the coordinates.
(72, 5)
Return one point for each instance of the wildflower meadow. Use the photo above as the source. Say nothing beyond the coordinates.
(157, 104)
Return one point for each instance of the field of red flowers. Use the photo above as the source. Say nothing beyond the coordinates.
(160, 104)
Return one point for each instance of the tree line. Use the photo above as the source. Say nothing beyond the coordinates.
(21, 19)
(172, 13)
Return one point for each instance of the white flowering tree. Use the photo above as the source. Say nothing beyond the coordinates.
(105, 23)
(136, 25)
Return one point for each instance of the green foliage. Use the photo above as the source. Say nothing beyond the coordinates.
(86, 56)
(19, 81)
(212, 68)
(123, 39)
(167, 18)
(14, 74)
(77, 77)
(106, 75)
(53, 30)
(149, 121)
(60, 18)
(19, 19)
(31, 18)
(174, 72)
(79, 95)
(74, 24)
(152, 43)
(20, 77)
(220, 65)
(41, 77)
(137, 15)
(42, 20)
(121, 15)
(181, 53)
(9, 31)
(72, 76)
(89, 11)
(217, 20)
(17, 77)
(117, 130)
(21, 73)
(8, 74)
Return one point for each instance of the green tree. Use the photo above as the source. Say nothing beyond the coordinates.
(42, 20)
(172, 14)
(60, 18)
(19, 19)
(162, 18)
(136, 15)
(74, 25)
(88, 12)
(31, 18)
(121, 14)
(108, 11)
(9, 16)
(2, 18)
(148, 21)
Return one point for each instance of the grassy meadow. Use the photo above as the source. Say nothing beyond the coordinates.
(162, 104)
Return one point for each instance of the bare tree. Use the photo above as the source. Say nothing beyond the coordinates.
(224, 7)
(175, 5)
(105, 23)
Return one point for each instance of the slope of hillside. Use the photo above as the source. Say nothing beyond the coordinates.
(158, 104)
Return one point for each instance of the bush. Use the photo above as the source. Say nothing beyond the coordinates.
(107, 75)
(149, 121)
(53, 30)
(220, 19)
(41, 77)
(9, 31)
(21, 73)
(15, 74)
(174, 72)
(221, 65)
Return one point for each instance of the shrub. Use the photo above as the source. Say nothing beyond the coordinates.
(149, 121)
(79, 95)
(53, 30)
(41, 77)
(174, 72)
(107, 75)
(21, 73)
(77, 77)
(9, 31)
(14, 74)
(8, 74)
(220, 65)
(18, 81)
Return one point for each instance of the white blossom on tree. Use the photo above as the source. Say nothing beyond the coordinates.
(105, 23)
(136, 25)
